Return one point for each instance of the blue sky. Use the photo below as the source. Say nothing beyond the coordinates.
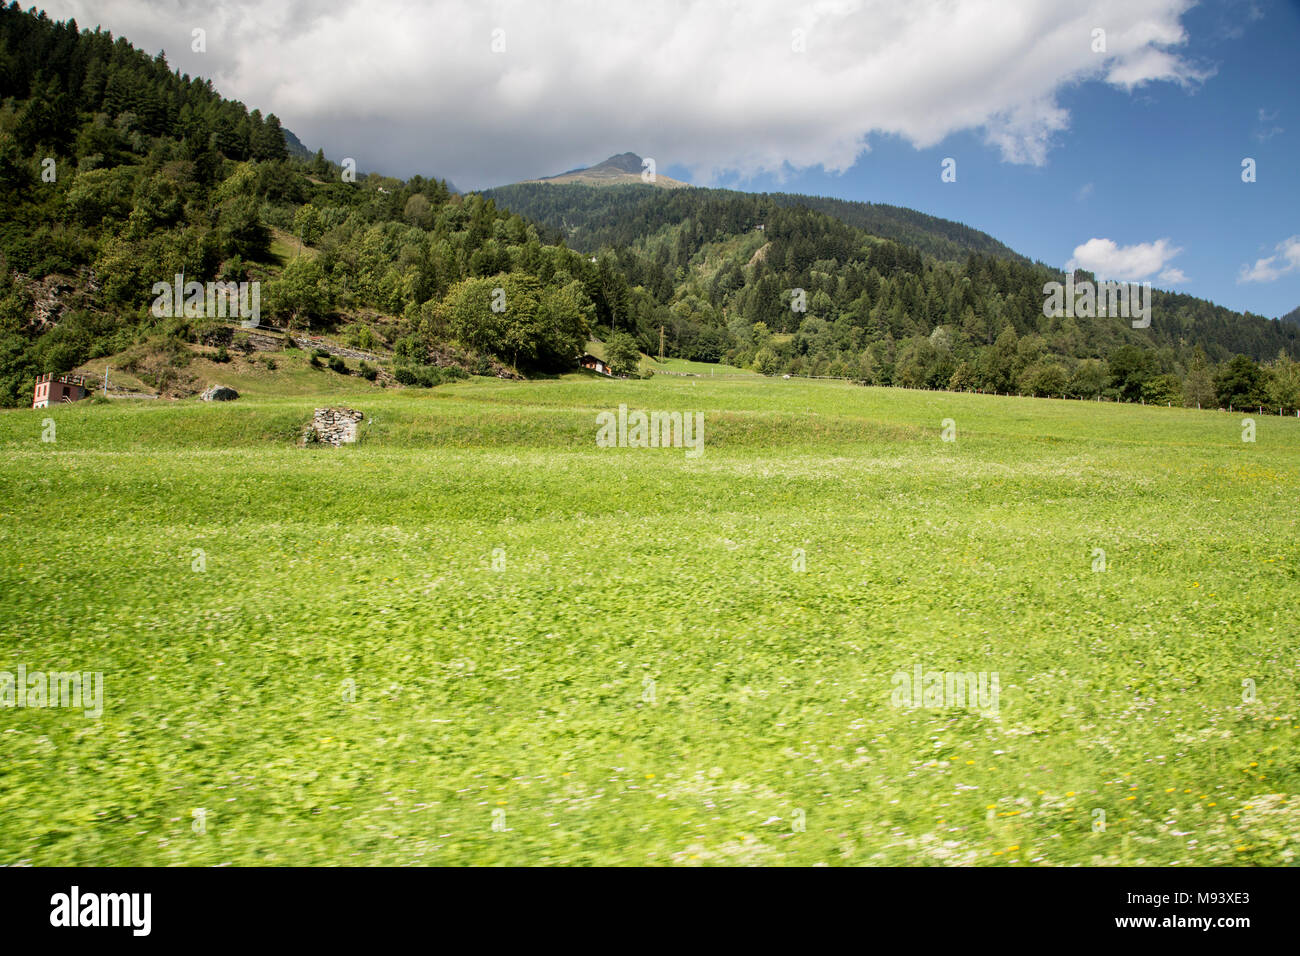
(1160, 162)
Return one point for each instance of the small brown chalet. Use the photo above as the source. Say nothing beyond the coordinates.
(595, 364)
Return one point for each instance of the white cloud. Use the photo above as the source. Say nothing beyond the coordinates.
(406, 86)
(1151, 64)
(1108, 260)
(1267, 128)
(1285, 259)
(1173, 276)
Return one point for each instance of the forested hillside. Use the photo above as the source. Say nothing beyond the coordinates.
(927, 312)
(595, 218)
(119, 173)
(941, 238)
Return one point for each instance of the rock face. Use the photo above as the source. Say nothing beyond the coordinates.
(55, 294)
(333, 426)
(258, 342)
(265, 339)
(219, 393)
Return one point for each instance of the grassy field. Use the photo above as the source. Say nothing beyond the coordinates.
(475, 637)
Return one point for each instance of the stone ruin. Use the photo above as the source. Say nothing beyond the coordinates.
(333, 426)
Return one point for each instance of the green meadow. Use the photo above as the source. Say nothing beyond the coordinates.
(474, 637)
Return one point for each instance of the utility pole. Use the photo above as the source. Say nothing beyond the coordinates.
(106, 381)
(661, 343)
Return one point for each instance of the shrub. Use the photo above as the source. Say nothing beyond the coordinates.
(408, 347)
(362, 337)
(338, 365)
(427, 376)
(369, 372)
(622, 353)
(1045, 380)
(233, 270)
(1163, 390)
(765, 362)
(1241, 383)
(222, 355)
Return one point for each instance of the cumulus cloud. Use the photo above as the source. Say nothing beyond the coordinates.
(1108, 260)
(1286, 259)
(718, 86)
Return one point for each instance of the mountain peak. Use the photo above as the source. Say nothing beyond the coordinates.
(627, 162)
(620, 169)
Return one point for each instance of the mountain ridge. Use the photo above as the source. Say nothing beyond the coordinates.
(581, 215)
(620, 169)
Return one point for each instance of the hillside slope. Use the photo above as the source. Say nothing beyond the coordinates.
(941, 238)
(931, 296)
(590, 219)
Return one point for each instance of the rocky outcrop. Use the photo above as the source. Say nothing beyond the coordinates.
(258, 342)
(243, 339)
(333, 426)
(48, 297)
(219, 393)
(54, 295)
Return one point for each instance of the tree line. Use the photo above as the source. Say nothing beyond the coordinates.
(792, 285)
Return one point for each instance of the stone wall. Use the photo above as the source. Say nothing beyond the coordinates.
(333, 426)
(307, 344)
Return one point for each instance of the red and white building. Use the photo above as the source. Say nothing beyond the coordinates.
(52, 389)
